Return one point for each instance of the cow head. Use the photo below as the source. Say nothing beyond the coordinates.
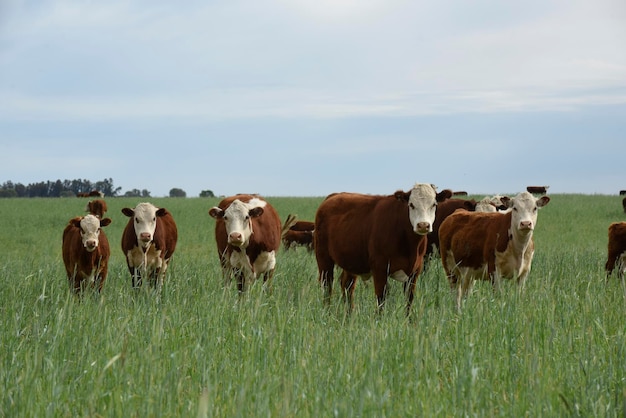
(238, 220)
(144, 221)
(90, 227)
(524, 209)
(422, 202)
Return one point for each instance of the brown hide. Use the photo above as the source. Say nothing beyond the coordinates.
(97, 207)
(292, 238)
(164, 240)
(80, 263)
(303, 226)
(445, 209)
(616, 247)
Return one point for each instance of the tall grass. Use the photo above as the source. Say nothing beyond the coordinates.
(556, 349)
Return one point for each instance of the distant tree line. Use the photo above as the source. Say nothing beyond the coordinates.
(70, 188)
(58, 188)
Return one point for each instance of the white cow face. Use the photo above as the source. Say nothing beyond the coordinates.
(90, 230)
(422, 201)
(238, 220)
(524, 209)
(144, 221)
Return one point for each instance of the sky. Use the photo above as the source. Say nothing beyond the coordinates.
(311, 97)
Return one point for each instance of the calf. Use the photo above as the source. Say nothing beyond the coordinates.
(86, 252)
(489, 246)
(372, 235)
(248, 235)
(148, 243)
(96, 207)
(617, 249)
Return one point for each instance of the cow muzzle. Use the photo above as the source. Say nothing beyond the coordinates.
(526, 226)
(91, 245)
(422, 228)
(236, 239)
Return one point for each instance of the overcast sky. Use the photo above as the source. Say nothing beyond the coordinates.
(310, 97)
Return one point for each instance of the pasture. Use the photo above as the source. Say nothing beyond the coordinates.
(556, 349)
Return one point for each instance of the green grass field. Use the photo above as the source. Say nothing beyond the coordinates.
(556, 349)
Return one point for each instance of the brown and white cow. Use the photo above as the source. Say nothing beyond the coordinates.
(248, 235)
(489, 246)
(86, 252)
(617, 249)
(492, 203)
(373, 235)
(97, 207)
(148, 243)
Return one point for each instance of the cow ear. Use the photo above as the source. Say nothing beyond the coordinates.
(76, 221)
(161, 212)
(255, 212)
(105, 222)
(128, 212)
(216, 212)
(401, 195)
(443, 195)
(542, 201)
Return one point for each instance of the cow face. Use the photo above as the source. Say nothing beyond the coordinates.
(238, 220)
(422, 203)
(90, 230)
(144, 221)
(524, 209)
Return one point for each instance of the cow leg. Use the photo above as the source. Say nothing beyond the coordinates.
(409, 291)
(326, 279)
(463, 287)
(136, 277)
(241, 281)
(348, 284)
(380, 287)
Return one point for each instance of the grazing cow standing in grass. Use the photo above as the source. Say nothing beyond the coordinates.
(248, 235)
(489, 246)
(96, 207)
(617, 249)
(148, 242)
(86, 252)
(296, 233)
(379, 236)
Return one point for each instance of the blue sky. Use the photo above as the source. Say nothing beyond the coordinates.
(310, 97)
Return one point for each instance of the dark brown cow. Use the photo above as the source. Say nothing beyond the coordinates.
(372, 235)
(248, 235)
(297, 233)
(96, 207)
(148, 243)
(617, 249)
(624, 204)
(541, 190)
(86, 252)
(445, 209)
(489, 245)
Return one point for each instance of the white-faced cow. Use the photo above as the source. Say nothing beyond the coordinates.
(86, 252)
(248, 234)
(489, 246)
(148, 243)
(372, 235)
(97, 207)
(492, 203)
(617, 249)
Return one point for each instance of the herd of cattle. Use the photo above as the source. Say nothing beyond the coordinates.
(367, 236)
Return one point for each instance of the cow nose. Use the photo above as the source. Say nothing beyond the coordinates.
(235, 237)
(423, 227)
(145, 236)
(91, 244)
(526, 225)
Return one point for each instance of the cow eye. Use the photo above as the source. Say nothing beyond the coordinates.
(411, 206)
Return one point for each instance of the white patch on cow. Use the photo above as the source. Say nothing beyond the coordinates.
(90, 232)
(144, 222)
(238, 222)
(422, 207)
(400, 276)
(266, 261)
(485, 205)
(255, 202)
